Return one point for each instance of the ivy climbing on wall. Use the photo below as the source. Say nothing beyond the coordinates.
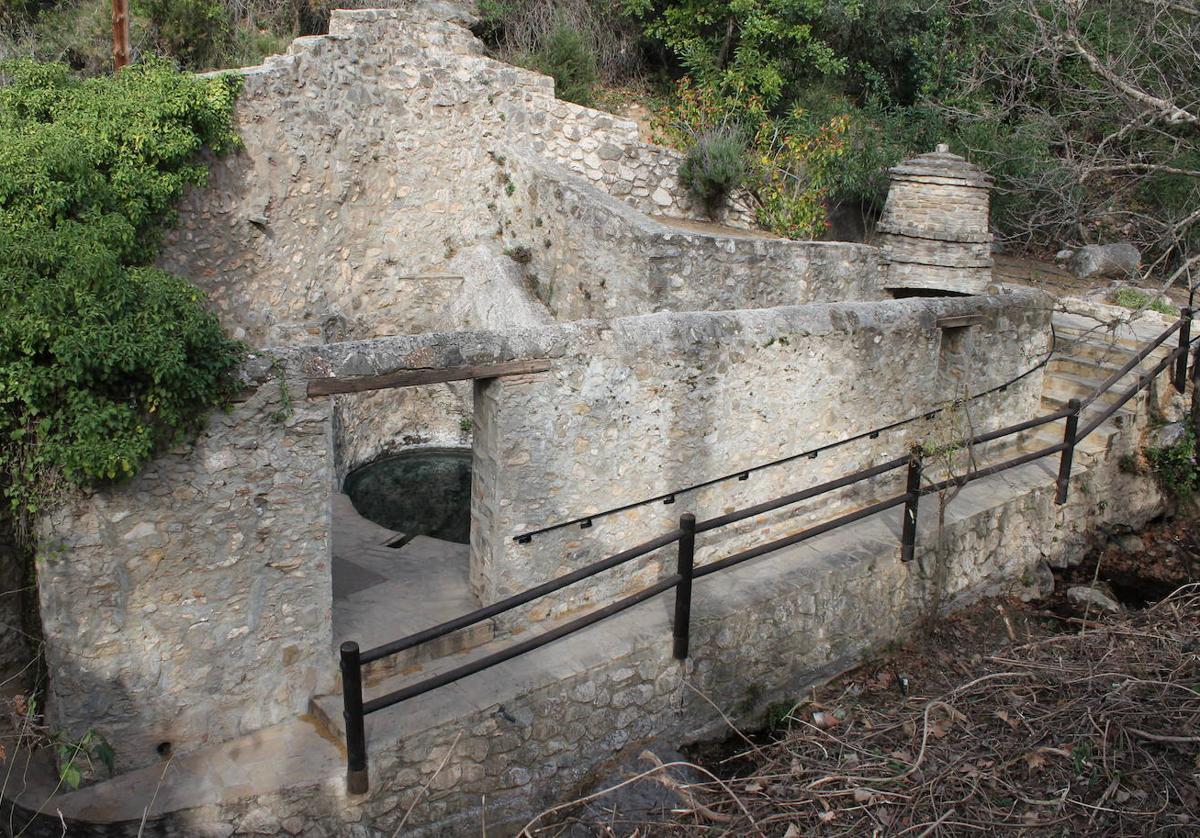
(104, 358)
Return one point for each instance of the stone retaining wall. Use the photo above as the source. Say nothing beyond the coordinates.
(550, 725)
(585, 254)
(372, 156)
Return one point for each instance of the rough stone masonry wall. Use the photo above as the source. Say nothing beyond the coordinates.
(372, 156)
(192, 603)
(490, 295)
(365, 166)
(760, 635)
(588, 255)
(550, 725)
(640, 407)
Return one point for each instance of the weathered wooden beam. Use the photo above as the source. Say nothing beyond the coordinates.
(412, 378)
(960, 320)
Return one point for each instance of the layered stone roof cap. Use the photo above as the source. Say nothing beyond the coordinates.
(942, 166)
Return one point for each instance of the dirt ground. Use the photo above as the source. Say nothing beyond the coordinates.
(1004, 718)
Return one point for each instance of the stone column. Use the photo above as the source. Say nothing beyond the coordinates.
(934, 232)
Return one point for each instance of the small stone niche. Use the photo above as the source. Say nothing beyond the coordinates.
(934, 233)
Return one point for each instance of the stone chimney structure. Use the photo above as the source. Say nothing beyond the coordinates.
(934, 232)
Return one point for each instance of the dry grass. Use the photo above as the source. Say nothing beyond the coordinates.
(1092, 731)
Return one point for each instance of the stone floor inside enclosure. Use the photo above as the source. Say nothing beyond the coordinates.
(381, 593)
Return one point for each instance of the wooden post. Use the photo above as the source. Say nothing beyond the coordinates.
(120, 19)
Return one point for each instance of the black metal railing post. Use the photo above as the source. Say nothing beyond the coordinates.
(912, 491)
(1185, 338)
(1068, 453)
(1195, 408)
(352, 712)
(683, 591)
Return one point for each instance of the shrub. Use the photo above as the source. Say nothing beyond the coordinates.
(715, 166)
(199, 33)
(519, 28)
(1174, 466)
(103, 357)
(566, 55)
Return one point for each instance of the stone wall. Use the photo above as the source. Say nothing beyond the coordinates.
(588, 255)
(372, 156)
(641, 407)
(550, 725)
(608, 152)
(490, 294)
(191, 604)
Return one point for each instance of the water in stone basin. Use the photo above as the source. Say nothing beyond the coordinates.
(421, 492)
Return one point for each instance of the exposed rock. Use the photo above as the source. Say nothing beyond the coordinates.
(1131, 543)
(1084, 597)
(1037, 583)
(1167, 436)
(1104, 260)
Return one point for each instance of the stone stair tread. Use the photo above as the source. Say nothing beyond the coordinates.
(1102, 368)
(1099, 335)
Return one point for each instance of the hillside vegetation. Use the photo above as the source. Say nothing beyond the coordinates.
(1086, 111)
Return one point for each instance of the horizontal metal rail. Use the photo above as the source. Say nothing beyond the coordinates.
(796, 497)
(803, 535)
(585, 521)
(518, 600)
(458, 673)
(988, 471)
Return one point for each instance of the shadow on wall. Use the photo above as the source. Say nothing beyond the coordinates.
(15, 642)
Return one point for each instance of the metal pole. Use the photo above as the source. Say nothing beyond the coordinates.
(908, 535)
(352, 712)
(1068, 453)
(1195, 412)
(1185, 337)
(683, 591)
(120, 22)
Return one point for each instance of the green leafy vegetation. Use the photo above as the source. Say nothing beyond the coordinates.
(715, 166)
(1135, 299)
(197, 34)
(567, 57)
(103, 357)
(1174, 466)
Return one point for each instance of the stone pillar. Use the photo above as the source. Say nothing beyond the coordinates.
(934, 233)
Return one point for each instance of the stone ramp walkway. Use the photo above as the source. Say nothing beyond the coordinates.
(382, 592)
(826, 574)
(308, 752)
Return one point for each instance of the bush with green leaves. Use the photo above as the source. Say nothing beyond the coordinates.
(715, 166)
(103, 356)
(1174, 466)
(568, 57)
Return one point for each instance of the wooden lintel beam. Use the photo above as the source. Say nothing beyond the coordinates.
(412, 378)
(960, 320)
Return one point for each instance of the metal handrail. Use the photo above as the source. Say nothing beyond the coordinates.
(352, 660)
(517, 600)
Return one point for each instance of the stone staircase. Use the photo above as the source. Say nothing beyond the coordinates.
(1086, 354)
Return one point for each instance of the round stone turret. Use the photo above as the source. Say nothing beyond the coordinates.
(934, 231)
